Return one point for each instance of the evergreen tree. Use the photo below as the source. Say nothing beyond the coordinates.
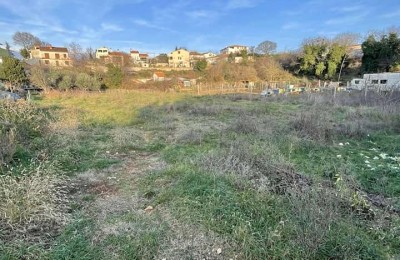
(381, 55)
(13, 73)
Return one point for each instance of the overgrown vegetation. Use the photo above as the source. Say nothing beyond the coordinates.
(56, 79)
(168, 175)
(381, 54)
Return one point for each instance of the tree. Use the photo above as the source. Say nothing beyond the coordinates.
(289, 61)
(162, 58)
(38, 77)
(321, 57)
(347, 39)
(268, 69)
(66, 83)
(245, 56)
(90, 54)
(114, 76)
(381, 55)
(24, 53)
(8, 49)
(75, 53)
(12, 71)
(26, 40)
(200, 65)
(54, 78)
(87, 82)
(266, 47)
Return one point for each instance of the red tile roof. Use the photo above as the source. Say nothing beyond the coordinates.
(116, 53)
(133, 51)
(52, 49)
(160, 74)
(143, 55)
(194, 53)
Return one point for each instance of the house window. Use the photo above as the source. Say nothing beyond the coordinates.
(383, 81)
(47, 56)
(67, 63)
(374, 81)
(57, 56)
(57, 64)
(46, 62)
(65, 56)
(356, 82)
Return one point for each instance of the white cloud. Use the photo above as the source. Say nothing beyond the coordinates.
(393, 14)
(111, 27)
(350, 8)
(350, 19)
(148, 24)
(199, 14)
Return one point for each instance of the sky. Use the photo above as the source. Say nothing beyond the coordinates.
(158, 26)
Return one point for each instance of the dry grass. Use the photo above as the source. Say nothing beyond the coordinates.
(20, 123)
(314, 125)
(33, 206)
(8, 146)
(116, 107)
(30, 198)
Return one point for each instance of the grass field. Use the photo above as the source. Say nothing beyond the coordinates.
(151, 175)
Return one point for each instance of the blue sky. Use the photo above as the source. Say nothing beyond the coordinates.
(157, 26)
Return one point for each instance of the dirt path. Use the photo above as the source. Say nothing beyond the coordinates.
(112, 197)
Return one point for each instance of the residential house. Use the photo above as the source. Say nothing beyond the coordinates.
(144, 59)
(135, 56)
(102, 52)
(210, 57)
(117, 58)
(234, 49)
(194, 56)
(49, 55)
(158, 76)
(180, 58)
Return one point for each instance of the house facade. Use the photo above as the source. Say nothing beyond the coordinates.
(102, 52)
(210, 57)
(117, 58)
(233, 49)
(180, 58)
(144, 59)
(194, 56)
(158, 76)
(49, 55)
(135, 56)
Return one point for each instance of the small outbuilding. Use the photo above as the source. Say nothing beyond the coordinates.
(158, 76)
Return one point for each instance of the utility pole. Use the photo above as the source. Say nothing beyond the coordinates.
(340, 73)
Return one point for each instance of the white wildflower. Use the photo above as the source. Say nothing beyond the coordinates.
(341, 144)
(367, 162)
(383, 155)
(339, 156)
